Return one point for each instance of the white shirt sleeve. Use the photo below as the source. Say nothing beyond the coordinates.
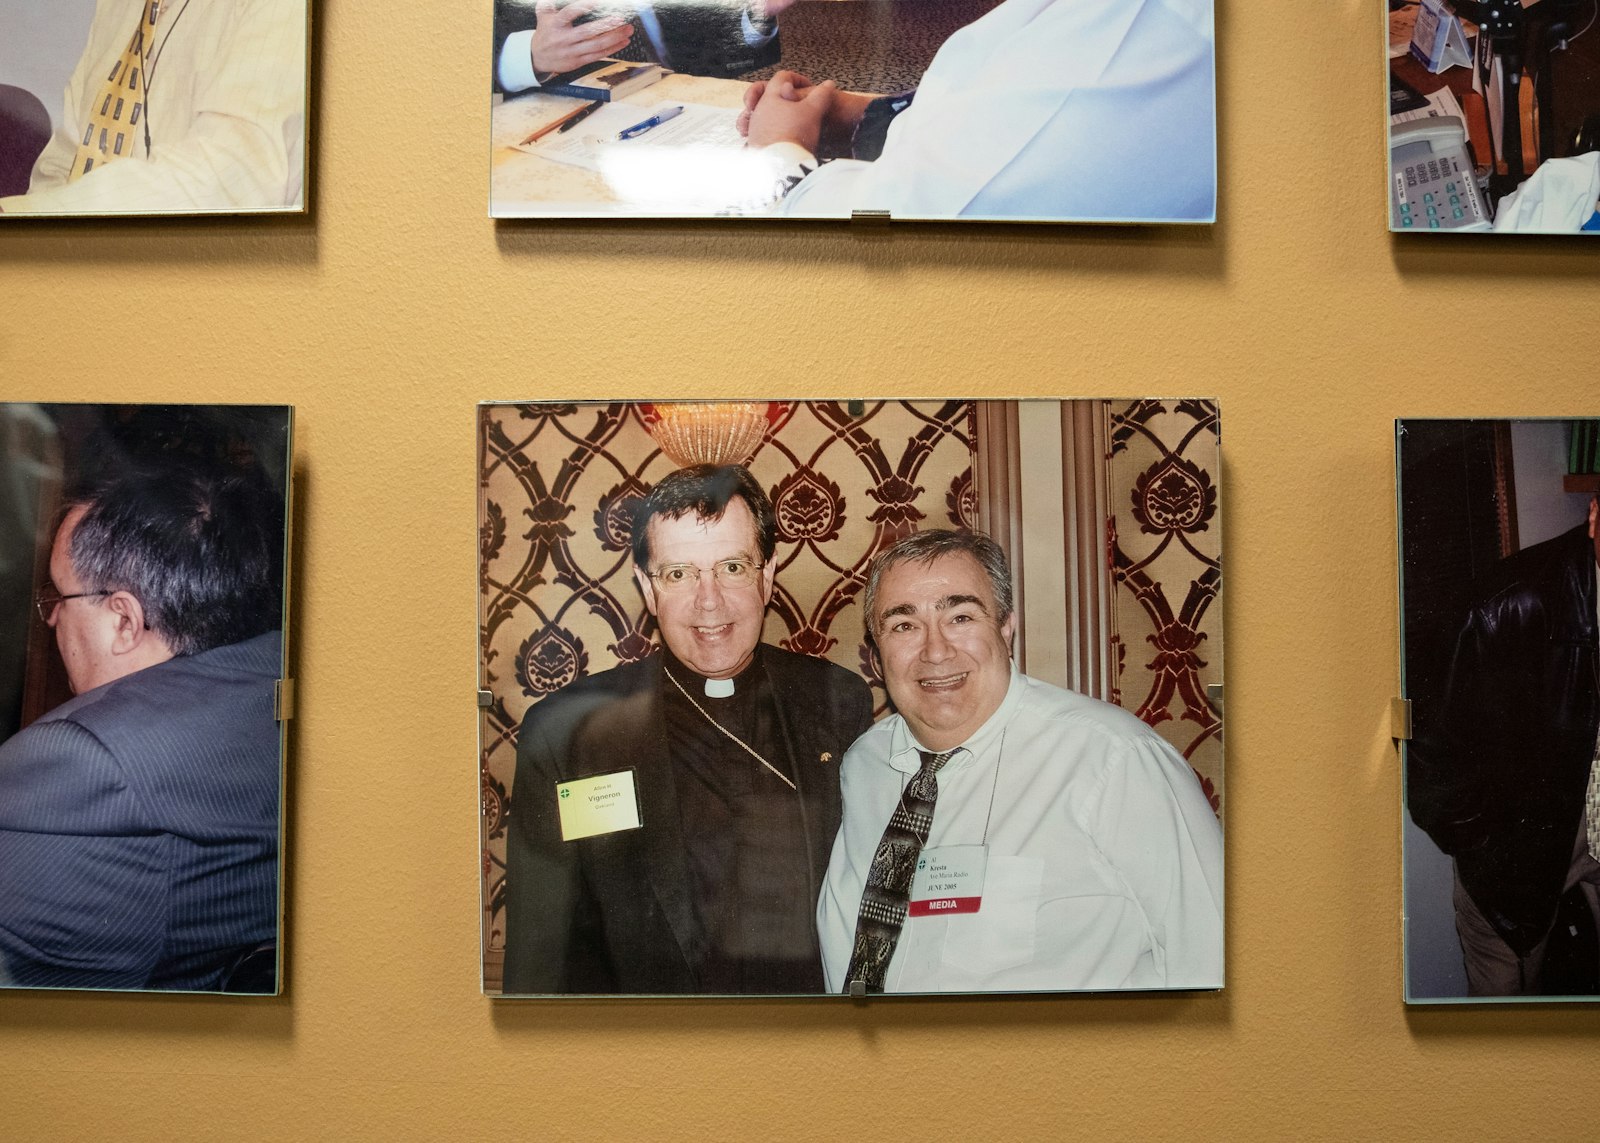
(515, 65)
(833, 191)
(782, 168)
(1116, 121)
(754, 36)
(1151, 795)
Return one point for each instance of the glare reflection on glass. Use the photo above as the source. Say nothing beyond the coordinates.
(698, 179)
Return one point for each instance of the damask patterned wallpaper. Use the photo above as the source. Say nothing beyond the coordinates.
(558, 601)
(1165, 541)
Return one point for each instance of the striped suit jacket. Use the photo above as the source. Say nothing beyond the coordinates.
(139, 827)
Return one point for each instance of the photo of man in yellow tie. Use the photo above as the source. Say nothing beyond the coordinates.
(174, 106)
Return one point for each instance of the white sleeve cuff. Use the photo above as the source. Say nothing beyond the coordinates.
(515, 65)
(791, 154)
(754, 36)
(790, 163)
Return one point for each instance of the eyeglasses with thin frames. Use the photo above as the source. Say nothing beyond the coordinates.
(48, 601)
(686, 577)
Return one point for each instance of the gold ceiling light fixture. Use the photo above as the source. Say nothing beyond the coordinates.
(709, 432)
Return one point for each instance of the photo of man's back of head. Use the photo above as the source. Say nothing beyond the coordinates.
(141, 754)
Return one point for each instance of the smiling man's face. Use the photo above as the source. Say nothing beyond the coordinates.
(712, 628)
(946, 655)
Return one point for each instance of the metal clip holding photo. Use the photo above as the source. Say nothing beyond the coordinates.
(283, 700)
(1400, 719)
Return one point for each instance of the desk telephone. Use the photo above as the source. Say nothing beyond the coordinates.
(1432, 185)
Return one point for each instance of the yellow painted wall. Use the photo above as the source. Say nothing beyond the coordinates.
(396, 304)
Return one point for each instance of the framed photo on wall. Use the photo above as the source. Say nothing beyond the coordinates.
(1494, 116)
(142, 598)
(827, 697)
(137, 107)
(1497, 584)
(1009, 110)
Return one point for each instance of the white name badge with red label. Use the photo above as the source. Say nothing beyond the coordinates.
(949, 881)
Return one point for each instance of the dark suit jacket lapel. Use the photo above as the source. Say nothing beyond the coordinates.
(662, 835)
(798, 710)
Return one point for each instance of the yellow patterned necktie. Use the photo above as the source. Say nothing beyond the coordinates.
(114, 118)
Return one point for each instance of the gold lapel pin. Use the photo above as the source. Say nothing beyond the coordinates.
(827, 756)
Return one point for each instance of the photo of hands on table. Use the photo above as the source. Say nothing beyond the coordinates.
(1029, 110)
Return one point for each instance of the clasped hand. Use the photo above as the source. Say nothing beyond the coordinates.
(792, 108)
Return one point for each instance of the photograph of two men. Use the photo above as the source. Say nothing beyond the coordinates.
(142, 557)
(1022, 110)
(850, 697)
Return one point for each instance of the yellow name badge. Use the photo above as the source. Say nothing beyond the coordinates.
(608, 803)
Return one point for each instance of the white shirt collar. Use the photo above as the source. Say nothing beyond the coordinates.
(904, 748)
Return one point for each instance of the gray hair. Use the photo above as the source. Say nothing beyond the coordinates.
(924, 548)
(199, 543)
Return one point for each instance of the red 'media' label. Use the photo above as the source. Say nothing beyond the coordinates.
(944, 906)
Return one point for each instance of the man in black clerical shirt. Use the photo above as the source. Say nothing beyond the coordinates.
(671, 818)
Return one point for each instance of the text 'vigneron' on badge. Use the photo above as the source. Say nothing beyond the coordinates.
(948, 881)
(607, 803)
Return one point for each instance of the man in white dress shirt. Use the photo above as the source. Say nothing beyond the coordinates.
(1040, 109)
(1069, 847)
(179, 106)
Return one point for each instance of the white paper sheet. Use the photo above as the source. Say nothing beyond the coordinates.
(1441, 102)
(587, 144)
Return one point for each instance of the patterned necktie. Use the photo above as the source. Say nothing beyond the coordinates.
(114, 116)
(887, 894)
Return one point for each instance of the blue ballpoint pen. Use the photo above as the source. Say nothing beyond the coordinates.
(644, 125)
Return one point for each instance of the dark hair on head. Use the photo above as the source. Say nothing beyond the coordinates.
(924, 548)
(199, 544)
(705, 490)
